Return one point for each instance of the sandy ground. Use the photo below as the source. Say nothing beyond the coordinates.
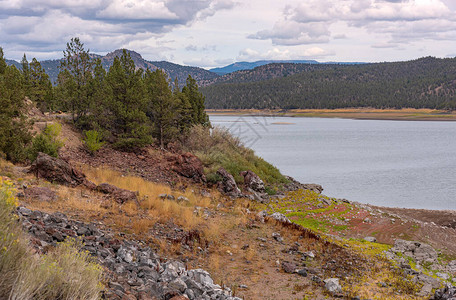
(349, 113)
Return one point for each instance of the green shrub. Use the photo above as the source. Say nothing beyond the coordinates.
(213, 178)
(92, 140)
(63, 273)
(270, 191)
(217, 148)
(46, 142)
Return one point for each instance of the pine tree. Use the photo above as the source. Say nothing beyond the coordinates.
(101, 117)
(76, 72)
(196, 100)
(13, 126)
(162, 106)
(25, 74)
(131, 126)
(40, 87)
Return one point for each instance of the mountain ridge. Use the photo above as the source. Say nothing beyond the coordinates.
(51, 66)
(427, 82)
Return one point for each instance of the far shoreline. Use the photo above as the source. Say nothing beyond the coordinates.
(405, 114)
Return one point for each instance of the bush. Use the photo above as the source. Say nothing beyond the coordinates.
(64, 273)
(92, 140)
(270, 191)
(213, 178)
(46, 142)
(217, 148)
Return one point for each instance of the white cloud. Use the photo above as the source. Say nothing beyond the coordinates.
(309, 21)
(137, 10)
(285, 54)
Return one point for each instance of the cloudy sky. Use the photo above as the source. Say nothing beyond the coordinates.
(210, 33)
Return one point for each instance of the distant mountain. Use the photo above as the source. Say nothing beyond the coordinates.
(14, 63)
(428, 82)
(243, 65)
(173, 70)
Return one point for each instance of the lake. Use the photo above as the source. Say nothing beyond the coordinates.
(408, 164)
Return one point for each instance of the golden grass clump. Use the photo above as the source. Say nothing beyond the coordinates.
(64, 273)
(155, 207)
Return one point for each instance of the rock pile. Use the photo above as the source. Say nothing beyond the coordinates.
(422, 254)
(135, 271)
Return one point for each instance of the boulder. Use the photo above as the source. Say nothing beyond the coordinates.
(289, 267)
(57, 170)
(332, 285)
(293, 185)
(118, 194)
(280, 217)
(252, 181)
(40, 194)
(446, 293)
(370, 239)
(228, 185)
(419, 251)
(188, 165)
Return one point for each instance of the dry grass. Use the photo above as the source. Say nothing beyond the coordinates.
(151, 204)
(64, 273)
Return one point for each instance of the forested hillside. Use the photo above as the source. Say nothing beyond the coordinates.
(125, 106)
(424, 83)
(265, 72)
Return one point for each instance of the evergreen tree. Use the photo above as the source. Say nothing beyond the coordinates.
(196, 100)
(3, 64)
(13, 126)
(162, 106)
(77, 73)
(40, 87)
(101, 117)
(25, 74)
(128, 104)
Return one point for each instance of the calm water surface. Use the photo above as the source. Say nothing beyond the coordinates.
(389, 163)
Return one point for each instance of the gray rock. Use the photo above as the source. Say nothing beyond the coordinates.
(309, 254)
(332, 285)
(24, 211)
(425, 279)
(253, 181)
(182, 199)
(228, 185)
(288, 267)
(280, 217)
(444, 276)
(200, 276)
(370, 239)
(277, 237)
(178, 284)
(125, 254)
(426, 290)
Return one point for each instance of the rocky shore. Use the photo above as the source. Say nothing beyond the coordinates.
(135, 271)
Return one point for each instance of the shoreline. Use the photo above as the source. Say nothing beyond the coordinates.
(406, 114)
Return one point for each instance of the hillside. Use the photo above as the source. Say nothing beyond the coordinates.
(265, 72)
(173, 70)
(159, 244)
(423, 83)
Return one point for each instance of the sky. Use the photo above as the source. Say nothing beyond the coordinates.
(211, 33)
